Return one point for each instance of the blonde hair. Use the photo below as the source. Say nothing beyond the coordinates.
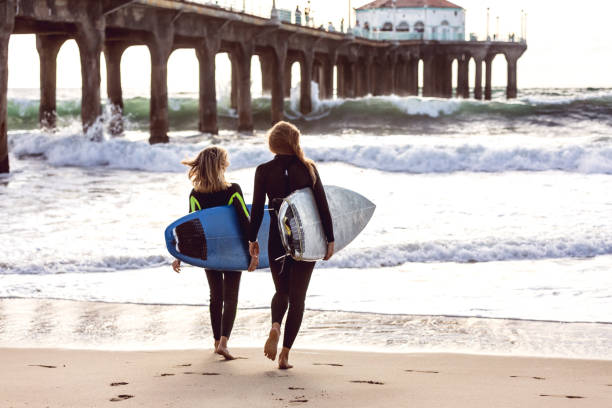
(284, 138)
(207, 170)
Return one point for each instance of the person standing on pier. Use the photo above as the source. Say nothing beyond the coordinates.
(298, 16)
(307, 14)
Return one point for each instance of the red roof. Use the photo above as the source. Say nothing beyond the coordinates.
(409, 3)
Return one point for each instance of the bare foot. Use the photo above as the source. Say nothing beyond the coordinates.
(283, 359)
(216, 346)
(224, 351)
(270, 349)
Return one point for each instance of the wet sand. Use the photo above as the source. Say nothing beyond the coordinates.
(189, 378)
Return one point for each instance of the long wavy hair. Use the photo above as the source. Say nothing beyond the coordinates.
(207, 170)
(284, 138)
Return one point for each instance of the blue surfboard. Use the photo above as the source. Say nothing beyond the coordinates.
(212, 238)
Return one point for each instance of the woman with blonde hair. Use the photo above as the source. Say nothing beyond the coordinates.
(210, 189)
(289, 171)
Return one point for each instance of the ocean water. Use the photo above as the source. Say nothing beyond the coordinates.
(492, 233)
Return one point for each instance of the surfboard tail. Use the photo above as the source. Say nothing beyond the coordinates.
(191, 240)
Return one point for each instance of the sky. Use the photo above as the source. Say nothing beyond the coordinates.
(569, 45)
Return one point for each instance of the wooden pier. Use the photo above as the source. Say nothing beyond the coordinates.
(111, 26)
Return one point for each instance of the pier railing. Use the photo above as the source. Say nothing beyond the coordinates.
(257, 8)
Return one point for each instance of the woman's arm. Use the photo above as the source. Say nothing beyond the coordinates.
(323, 207)
(259, 201)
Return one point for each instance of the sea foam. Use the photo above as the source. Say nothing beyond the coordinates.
(375, 256)
(119, 153)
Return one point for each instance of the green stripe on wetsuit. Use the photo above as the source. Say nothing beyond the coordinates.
(239, 197)
(194, 203)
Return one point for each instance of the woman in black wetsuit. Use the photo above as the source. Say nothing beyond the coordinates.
(289, 171)
(207, 173)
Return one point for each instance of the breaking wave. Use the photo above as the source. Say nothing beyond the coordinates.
(119, 153)
(483, 250)
(390, 113)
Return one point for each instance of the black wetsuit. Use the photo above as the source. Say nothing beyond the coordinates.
(223, 285)
(277, 179)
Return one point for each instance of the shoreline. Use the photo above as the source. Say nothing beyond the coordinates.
(209, 350)
(90, 325)
(187, 378)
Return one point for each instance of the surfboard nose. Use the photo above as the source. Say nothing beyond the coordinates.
(358, 209)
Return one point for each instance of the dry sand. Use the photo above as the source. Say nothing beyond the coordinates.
(199, 378)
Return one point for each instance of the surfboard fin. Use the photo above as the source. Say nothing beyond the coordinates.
(292, 232)
(191, 240)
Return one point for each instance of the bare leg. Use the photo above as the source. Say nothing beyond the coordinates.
(270, 349)
(283, 359)
(216, 345)
(223, 350)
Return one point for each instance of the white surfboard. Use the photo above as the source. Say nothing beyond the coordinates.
(301, 228)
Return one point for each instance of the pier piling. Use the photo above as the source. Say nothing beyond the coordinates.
(306, 78)
(463, 77)
(488, 74)
(413, 75)
(234, 81)
(244, 53)
(267, 75)
(512, 57)
(7, 22)
(478, 78)
(288, 66)
(90, 31)
(278, 64)
(48, 47)
(206, 52)
(328, 78)
(113, 51)
(160, 43)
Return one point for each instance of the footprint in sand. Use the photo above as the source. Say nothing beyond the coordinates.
(296, 388)
(183, 365)
(299, 400)
(527, 376)
(562, 396)
(116, 384)
(42, 365)
(422, 371)
(273, 374)
(191, 372)
(121, 397)
(367, 382)
(166, 375)
(329, 364)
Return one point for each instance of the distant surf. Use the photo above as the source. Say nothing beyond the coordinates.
(588, 157)
(386, 114)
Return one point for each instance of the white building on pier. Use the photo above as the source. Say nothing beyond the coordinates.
(438, 20)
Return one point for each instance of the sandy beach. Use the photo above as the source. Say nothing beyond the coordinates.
(188, 378)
